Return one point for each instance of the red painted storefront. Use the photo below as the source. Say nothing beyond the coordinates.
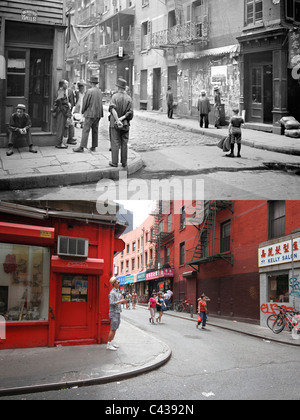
(49, 295)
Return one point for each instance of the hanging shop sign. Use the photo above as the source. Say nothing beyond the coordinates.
(29, 16)
(279, 253)
(94, 66)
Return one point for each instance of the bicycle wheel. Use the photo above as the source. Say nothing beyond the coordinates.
(179, 309)
(278, 325)
(270, 321)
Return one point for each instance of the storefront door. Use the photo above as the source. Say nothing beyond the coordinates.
(261, 101)
(76, 309)
(29, 83)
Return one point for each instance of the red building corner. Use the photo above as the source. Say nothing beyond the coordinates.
(56, 259)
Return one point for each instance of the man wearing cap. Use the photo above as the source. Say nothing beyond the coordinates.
(121, 110)
(92, 109)
(19, 125)
(115, 302)
(204, 109)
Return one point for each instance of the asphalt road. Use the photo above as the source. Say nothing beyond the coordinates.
(206, 365)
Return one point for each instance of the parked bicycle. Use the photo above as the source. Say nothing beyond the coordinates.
(182, 306)
(285, 318)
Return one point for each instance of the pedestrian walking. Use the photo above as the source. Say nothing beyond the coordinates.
(169, 301)
(92, 109)
(235, 133)
(19, 126)
(218, 107)
(115, 302)
(170, 102)
(128, 300)
(160, 307)
(152, 307)
(202, 311)
(204, 109)
(71, 100)
(62, 113)
(121, 110)
(134, 299)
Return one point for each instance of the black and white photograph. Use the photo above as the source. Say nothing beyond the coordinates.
(149, 202)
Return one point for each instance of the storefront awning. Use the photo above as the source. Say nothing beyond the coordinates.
(212, 52)
(90, 266)
(26, 234)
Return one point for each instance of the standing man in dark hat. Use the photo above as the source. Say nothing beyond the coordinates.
(121, 110)
(19, 126)
(92, 109)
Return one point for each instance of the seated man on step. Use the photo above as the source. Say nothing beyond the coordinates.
(19, 125)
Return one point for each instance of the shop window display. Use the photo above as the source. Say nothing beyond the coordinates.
(279, 288)
(24, 282)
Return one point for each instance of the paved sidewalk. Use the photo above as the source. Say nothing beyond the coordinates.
(52, 167)
(43, 369)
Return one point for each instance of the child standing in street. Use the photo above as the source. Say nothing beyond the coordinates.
(202, 310)
(235, 133)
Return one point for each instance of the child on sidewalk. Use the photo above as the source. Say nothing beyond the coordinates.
(235, 133)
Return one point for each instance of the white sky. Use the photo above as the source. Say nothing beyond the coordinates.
(140, 209)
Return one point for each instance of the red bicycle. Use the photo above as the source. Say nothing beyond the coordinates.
(285, 318)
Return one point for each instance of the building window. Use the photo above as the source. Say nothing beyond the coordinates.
(127, 248)
(122, 267)
(182, 218)
(254, 11)
(293, 10)
(133, 246)
(146, 35)
(182, 253)
(170, 223)
(278, 286)
(133, 264)
(24, 282)
(225, 237)
(276, 219)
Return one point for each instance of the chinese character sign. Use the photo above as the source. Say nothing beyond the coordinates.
(294, 47)
(279, 253)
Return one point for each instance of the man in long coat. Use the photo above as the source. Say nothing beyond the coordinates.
(204, 109)
(92, 109)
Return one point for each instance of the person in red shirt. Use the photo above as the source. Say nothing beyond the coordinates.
(152, 307)
(202, 310)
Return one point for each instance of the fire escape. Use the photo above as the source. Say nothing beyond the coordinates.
(159, 237)
(204, 220)
(193, 32)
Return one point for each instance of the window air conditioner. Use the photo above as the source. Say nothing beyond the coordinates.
(72, 247)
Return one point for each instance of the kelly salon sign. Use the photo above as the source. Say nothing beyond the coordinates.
(279, 253)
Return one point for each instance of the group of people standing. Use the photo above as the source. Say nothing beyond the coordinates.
(89, 105)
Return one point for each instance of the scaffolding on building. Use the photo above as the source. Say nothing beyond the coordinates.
(204, 220)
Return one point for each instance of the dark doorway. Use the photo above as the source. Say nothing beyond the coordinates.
(157, 89)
